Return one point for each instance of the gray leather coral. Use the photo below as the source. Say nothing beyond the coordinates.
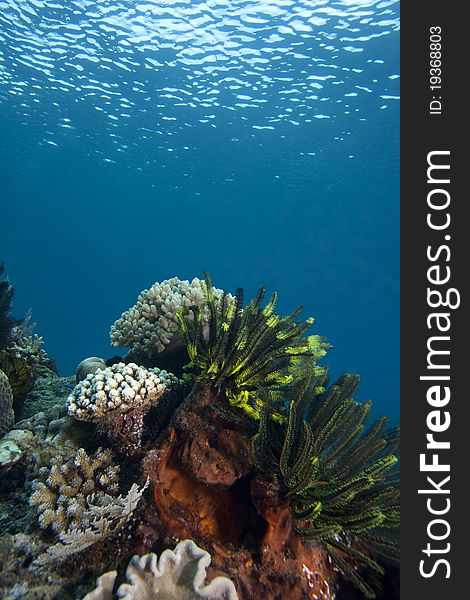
(178, 574)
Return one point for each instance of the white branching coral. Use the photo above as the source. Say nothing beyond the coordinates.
(176, 575)
(119, 397)
(106, 519)
(119, 388)
(149, 327)
(67, 492)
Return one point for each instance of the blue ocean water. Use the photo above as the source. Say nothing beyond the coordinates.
(254, 139)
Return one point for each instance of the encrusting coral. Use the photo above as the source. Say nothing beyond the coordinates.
(7, 415)
(151, 325)
(118, 398)
(178, 574)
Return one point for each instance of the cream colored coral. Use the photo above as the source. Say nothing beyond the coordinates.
(66, 490)
(176, 575)
(105, 519)
(150, 325)
(7, 416)
(118, 388)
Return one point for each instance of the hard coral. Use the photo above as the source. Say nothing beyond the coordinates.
(118, 398)
(176, 575)
(24, 360)
(87, 366)
(107, 518)
(7, 416)
(65, 491)
(340, 480)
(151, 325)
(78, 499)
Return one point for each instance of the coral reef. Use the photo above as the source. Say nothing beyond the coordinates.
(7, 416)
(150, 326)
(206, 487)
(20, 372)
(341, 481)
(118, 398)
(87, 366)
(177, 575)
(254, 457)
(78, 499)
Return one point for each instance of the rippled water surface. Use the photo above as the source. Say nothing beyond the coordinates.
(255, 139)
(150, 70)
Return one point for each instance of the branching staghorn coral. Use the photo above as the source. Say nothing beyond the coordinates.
(149, 327)
(342, 481)
(119, 397)
(176, 575)
(66, 491)
(246, 353)
(106, 519)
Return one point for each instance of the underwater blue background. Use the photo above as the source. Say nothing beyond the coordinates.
(255, 140)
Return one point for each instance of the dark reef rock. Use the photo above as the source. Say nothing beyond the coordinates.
(205, 487)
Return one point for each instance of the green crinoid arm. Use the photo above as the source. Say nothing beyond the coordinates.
(341, 479)
(243, 351)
